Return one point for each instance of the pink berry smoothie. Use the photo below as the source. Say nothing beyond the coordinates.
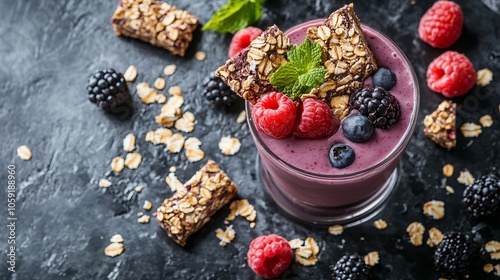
(298, 172)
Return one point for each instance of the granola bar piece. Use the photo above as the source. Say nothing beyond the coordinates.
(155, 22)
(192, 205)
(440, 125)
(348, 58)
(249, 73)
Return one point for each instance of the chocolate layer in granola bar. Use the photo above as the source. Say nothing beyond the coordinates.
(249, 72)
(348, 58)
(192, 206)
(155, 22)
(440, 125)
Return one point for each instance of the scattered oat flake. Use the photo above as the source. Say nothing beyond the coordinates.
(471, 130)
(194, 155)
(434, 209)
(306, 262)
(200, 55)
(175, 90)
(252, 224)
(117, 238)
(175, 143)
(484, 77)
(186, 123)
(486, 121)
(465, 178)
(226, 236)
(449, 190)
(104, 183)
(130, 74)
(497, 270)
(147, 205)
(159, 83)
(146, 93)
(117, 164)
(229, 145)
(242, 208)
(335, 229)
(169, 69)
(380, 224)
(139, 214)
(372, 258)
(435, 237)
(133, 160)
(173, 182)
(242, 116)
(144, 219)
(24, 152)
(448, 170)
(172, 169)
(114, 249)
(492, 246)
(192, 143)
(295, 243)
(495, 256)
(138, 189)
(416, 233)
(488, 268)
(161, 98)
(129, 143)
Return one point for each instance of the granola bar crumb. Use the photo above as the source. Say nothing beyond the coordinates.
(225, 236)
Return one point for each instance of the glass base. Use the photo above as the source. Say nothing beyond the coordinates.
(347, 216)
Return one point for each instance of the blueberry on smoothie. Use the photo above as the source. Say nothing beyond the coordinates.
(341, 155)
(384, 78)
(357, 128)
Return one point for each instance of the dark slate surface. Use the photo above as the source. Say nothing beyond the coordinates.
(49, 48)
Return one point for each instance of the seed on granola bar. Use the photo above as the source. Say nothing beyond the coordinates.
(188, 209)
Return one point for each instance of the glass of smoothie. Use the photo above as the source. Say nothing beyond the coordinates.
(297, 173)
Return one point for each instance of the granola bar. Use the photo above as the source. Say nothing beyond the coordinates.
(155, 22)
(192, 205)
(249, 73)
(348, 58)
(439, 126)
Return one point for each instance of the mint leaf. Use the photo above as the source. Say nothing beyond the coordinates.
(235, 15)
(302, 72)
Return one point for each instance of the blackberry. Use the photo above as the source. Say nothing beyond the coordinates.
(350, 267)
(380, 106)
(218, 92)
(454, 254)
(107, 89)
(482, 198)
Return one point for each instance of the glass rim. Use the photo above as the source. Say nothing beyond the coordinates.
(404, 141)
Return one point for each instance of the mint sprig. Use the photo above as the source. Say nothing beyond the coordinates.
(302, 72)
(235, 15)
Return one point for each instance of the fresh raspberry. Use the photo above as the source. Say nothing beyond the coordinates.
(269, 255)
(274, 114)
(451, 74)
(242, 39)
(315, 120)
(441, 25)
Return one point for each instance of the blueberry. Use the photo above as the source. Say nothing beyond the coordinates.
(384, 78)
(357, 128)
(341, 155)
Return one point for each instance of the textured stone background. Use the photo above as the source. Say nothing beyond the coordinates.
(49, 48)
